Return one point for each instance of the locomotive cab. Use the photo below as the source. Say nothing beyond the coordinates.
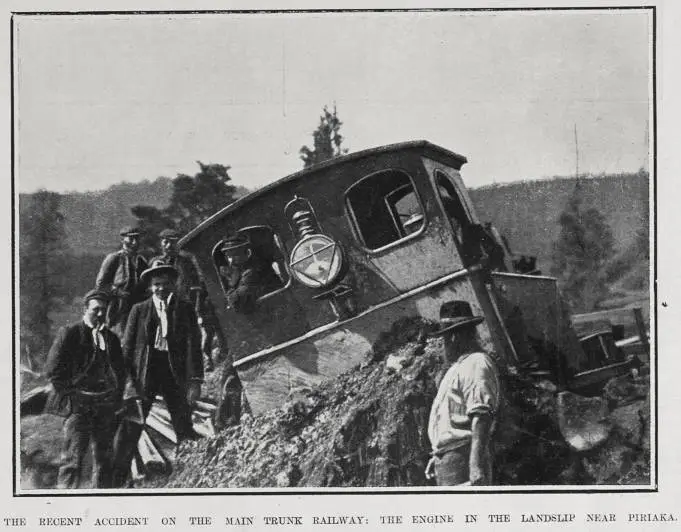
(352, 247)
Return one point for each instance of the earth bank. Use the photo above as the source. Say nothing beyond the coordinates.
(368, 428)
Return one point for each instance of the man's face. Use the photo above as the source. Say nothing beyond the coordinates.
(169, 246)
(162, 286)
(131, 242)
(450, 343)
(95, 311)
(237, 258)
(454, 340)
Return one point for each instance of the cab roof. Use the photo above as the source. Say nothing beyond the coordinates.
(422, 145)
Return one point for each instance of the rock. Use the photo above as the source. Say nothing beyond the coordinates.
(624, 389)
(396, 362)
(582, 420)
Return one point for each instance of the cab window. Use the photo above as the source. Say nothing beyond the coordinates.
(453, 206)
(384, 208)
(267, 263)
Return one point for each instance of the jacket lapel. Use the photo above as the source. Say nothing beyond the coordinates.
(150, 320)
(86, 346)
(172, 315)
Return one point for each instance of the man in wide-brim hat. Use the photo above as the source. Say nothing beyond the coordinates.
(119, 275)
(162, 345)
(463, 413)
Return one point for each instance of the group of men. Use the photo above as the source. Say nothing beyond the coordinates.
(140, 336)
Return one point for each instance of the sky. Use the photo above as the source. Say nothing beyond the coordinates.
(110, 98)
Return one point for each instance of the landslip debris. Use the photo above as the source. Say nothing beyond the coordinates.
(367, 427)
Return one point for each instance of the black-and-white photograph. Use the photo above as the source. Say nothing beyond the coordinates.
(277, 251)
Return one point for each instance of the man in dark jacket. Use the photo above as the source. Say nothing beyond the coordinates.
(85, 367)
(120, 275)
(162, 350)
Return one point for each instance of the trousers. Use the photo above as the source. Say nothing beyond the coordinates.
(452, 467)
(83, 426)
(162, 382)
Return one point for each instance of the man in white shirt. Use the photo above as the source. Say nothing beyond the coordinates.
(463, 414)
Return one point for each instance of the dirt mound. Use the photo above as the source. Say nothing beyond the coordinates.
(368, 428)
(365, 428)
(41, 440)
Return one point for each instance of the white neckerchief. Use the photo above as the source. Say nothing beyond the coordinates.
(162, 313)
(97, 336)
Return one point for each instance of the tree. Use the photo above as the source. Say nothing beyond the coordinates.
(43, 263)
(581, 253)
(327, 140)
(193, 200)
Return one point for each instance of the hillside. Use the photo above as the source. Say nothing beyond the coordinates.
(527, 212)
(93, 219)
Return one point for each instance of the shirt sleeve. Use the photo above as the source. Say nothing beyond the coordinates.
(481, 387)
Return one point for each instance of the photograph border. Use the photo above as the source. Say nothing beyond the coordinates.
(653, 487)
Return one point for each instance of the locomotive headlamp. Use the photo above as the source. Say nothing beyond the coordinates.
(316, 261)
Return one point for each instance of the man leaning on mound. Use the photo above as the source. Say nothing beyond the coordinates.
(162, 350)
(463, 414)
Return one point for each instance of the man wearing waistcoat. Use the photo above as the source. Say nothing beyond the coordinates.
(86, 370)
(162, 350)
(120, 276)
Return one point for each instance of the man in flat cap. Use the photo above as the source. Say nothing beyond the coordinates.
(188, 278)
(87, 373)
(120, 276)
(244, 276)
(161, 348)
(190, 286)
(466, 406)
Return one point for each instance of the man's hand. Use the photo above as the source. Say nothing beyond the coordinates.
(478, 477)
(193, 392)
(430, 469)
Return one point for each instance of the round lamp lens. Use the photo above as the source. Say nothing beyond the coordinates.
(316, 261)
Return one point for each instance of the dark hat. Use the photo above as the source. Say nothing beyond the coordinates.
(170, 234)
(101, 295)
(235, 243)
(130, 230)
(158, 267)
(454, 315)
